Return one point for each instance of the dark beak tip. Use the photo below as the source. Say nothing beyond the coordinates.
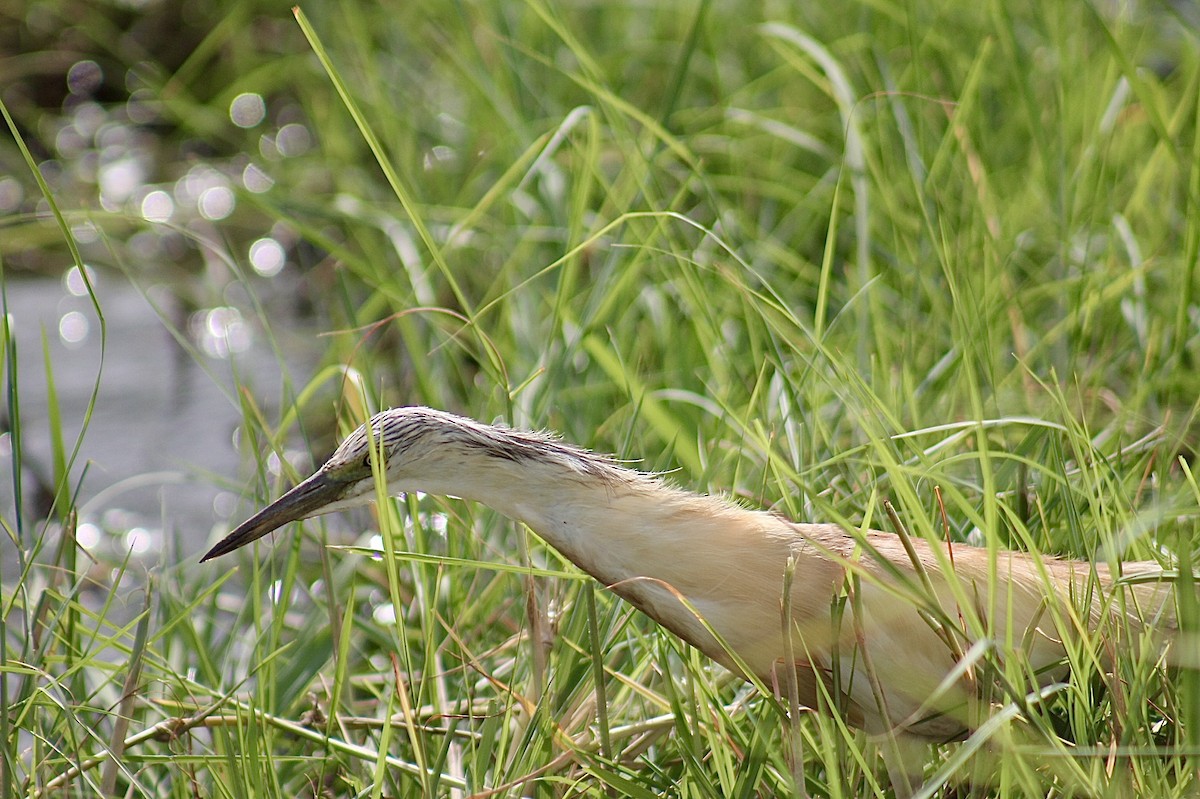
(222, 547)
(306, 499)
(240, 536)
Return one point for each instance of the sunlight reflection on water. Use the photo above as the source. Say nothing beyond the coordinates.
(162, 432)
(158, 410)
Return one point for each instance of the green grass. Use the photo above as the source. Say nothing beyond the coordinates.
(938, 254)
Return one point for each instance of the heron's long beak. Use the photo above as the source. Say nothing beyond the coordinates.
(308, 498)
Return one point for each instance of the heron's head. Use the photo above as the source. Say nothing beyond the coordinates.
(415, 443)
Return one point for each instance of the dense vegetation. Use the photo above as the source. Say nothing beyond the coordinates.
(813, 256)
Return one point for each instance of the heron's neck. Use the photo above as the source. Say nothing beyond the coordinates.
(695, 564)
(616, 523)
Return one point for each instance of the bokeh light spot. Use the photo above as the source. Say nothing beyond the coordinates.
(267, 257)
(247, 110)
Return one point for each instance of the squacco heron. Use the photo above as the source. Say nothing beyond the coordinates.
(714, 573)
